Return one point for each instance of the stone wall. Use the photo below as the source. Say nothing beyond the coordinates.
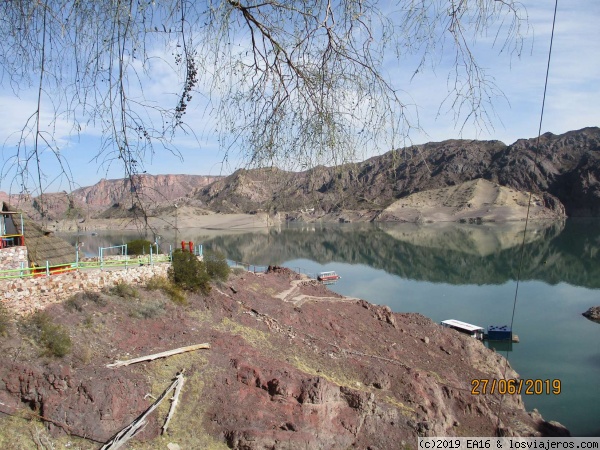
(26, 295)
(12, 257)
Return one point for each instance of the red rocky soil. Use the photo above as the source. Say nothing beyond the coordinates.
(291, 365)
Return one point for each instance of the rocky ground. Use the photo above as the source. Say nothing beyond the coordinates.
(593, 313)
(291, 365)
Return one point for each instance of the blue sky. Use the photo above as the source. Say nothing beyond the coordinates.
(572, 101)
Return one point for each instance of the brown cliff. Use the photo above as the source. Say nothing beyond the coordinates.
(119, 194)
(565, 174)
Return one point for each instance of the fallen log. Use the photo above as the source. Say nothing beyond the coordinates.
(139, 423)
(176, 351)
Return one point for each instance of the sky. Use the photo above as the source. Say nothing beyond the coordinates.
(572, 102)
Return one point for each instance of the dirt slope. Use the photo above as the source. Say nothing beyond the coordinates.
(476, 200)
(292, 366)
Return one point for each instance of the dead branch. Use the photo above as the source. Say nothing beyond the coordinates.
(138, 424)
(176, 351)
(174, 402)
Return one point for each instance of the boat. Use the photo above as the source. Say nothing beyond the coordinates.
(328, 276)
(501, 333)
(468, 328)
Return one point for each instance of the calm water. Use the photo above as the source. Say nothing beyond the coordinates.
(464, 272)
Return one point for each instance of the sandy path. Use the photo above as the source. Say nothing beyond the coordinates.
(297, 300)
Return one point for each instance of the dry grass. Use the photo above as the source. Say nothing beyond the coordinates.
(163, 284)
(124, 290)
(25, 432)
(406, 411)
(192, 403)
(4, 320)
(54, 338)
(253, 336)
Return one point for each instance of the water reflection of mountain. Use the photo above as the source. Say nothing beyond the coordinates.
(457, 254)
(449, 253)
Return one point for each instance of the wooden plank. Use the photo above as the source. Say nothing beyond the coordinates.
(176, 351)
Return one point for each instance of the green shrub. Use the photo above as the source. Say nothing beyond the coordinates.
(4, 320)
(53, 337)
(176, 295)
(40, 319)
(124, 290)
(216, 266)
(140, 247)
(189, 273)
(56, 340)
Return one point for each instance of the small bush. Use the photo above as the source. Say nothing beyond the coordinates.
(83, 353)
(78, 301)
(238, 270)
(147, 309)
(56, 340)
(216, 266)
(88, 322)
(189, 273)
(95, 297)
(74, 303)
(53, 337)
(157, 283)
(40, 319)
(124, 290)
(140, 247)
(4, 320)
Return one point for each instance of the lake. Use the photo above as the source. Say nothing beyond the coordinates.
(456, 271)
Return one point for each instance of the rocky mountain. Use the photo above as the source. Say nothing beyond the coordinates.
(115, 195)
(151, 188)
(565, 172)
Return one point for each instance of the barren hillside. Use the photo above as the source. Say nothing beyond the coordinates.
(565, 177)
(290, 365)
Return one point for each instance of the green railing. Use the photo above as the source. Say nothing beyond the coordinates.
(48, 270)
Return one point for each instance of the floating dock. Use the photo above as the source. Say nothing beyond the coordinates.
(501, 333)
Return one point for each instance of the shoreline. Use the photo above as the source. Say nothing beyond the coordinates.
(262, 221)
